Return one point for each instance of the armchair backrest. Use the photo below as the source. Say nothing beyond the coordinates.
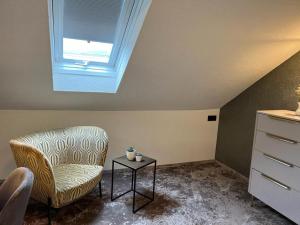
(78, 145)
(86, 145)
(51, 143)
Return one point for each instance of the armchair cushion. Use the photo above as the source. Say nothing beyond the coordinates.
(74, 180)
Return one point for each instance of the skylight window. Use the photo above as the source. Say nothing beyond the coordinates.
(92, 41)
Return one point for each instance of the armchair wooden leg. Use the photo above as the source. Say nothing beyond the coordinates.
(100, 190)
(49, 211)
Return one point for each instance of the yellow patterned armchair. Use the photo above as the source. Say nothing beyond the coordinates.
(67, 163)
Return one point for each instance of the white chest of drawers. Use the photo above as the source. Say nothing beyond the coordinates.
(275, 165)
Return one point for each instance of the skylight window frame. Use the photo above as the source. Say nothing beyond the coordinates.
(58, 10)
(127, 33)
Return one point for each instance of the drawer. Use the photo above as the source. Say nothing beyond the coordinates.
(276, 168)
(289, 152)
(285, 201)
(282, 127)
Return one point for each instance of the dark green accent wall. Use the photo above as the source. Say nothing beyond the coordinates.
(237, 117)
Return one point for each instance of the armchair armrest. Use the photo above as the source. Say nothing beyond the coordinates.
(29, 156)
(102, 155)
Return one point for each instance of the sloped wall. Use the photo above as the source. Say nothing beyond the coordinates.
(237, 117)
(191, 54)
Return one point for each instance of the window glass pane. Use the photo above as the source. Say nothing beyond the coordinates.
(87, 51)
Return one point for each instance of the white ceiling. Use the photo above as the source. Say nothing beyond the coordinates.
(191, 54)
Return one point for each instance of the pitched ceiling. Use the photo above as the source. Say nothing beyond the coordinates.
(191, 54)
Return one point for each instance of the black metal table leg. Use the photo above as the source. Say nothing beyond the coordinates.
(49, 211)
(133, 186)
(112, 185)
(100, 189)
(132, 179)
(154, 174)
(134, 191)
(112, 181)
(150, 198)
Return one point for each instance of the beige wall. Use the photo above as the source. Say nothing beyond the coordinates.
(169, 136)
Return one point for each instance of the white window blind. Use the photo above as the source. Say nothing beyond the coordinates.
(94, 20)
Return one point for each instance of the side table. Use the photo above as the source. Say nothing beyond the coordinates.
(134, 166)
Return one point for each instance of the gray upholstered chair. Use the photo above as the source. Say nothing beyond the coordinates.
(14, 196)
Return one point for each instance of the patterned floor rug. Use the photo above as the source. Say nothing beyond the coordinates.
(186, 194)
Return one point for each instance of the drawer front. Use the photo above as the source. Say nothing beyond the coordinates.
(277, 168)
(285, 128)
(289, 152)
(287, 202)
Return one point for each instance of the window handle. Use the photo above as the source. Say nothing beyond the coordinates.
(83, 63)
(278, 160)
(282, 138)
